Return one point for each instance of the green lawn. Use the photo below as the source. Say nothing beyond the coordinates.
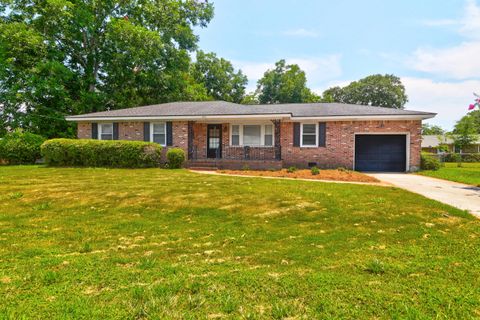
(133, 244)
(469, 173)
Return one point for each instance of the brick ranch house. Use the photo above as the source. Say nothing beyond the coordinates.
(228, 135)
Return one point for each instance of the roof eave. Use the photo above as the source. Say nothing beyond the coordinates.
(256, 116)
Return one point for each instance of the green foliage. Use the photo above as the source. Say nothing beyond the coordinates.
(376, 90)
(429, 162)
(20, 147)
(284, 84)
(429, 129)
(96, 153)
(291, 169)
(465, 132)
(315, 171)
(175, 158)
(60, 58)
(245, 167)
(456, 157)
(219, 77)
(375, 267)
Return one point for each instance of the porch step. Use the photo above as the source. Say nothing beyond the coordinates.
(203, 168)
(202, 165)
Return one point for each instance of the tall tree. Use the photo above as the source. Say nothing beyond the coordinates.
(428, 129)
(73, 56)
(219, 77)
(465, 132)
(375, 90)
(284, 84)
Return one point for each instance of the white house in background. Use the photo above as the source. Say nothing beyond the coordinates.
(432, 143)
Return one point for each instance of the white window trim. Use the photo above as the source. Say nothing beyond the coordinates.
(262, 134)
(100, 130)
(301, 136)
(164, 128)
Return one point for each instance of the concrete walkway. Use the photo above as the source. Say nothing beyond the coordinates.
(458, 195)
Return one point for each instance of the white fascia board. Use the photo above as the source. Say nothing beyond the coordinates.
(186, 118)
(365, 118)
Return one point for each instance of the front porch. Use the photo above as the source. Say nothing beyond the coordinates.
(234, 145)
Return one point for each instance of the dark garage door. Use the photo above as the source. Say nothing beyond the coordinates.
(380, 153)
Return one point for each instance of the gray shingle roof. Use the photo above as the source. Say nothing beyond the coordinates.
(222, 108)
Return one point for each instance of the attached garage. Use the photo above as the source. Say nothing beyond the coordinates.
(381, 152)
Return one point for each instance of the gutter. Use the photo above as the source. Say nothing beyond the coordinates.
(257, 116)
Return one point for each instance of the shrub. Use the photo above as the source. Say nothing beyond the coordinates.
(246, 167)
(315, 171)
(175, 158)
(96, 153)
(20, 147)
(429, 162)
(291, 169)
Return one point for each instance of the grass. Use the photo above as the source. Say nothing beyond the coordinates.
(134, 244)
(469, 173)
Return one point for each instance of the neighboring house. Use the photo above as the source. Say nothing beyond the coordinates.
(444, 144)
(227, 135)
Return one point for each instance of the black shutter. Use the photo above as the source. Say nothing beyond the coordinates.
(296, 134)
(94, 130)
(146, 131)
(115, 131)
(169, 134)
(322, 134)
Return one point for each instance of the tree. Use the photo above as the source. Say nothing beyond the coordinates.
(284, 84)
(66, 57)
(465, 132)
(219, 77)
(428, 129)
(376, 90)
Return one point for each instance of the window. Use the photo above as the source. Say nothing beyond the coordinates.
(235, 135)
(106, 131)
(159, 133)
(252, 135)
(268, 135)
(309, 135)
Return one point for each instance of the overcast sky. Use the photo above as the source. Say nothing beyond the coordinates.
(434, 46)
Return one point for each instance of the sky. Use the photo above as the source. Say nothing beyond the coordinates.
(433, 46)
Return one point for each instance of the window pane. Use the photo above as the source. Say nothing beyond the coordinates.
(268, 129)
(251, 135)
(106, 136)
(269, 140)
(235, 140)
(309, 128)
(159, 128)
(107, 128)
(235, 130)
(159, 138)
(308, 140)
(214, 143)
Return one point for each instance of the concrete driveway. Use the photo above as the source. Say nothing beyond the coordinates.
(458, 195)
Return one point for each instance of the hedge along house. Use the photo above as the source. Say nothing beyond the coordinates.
(227, 135)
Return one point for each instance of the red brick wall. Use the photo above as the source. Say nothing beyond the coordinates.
(84, 130)
(180, 135)
(200, 139)
(130, 131)
(340, 140)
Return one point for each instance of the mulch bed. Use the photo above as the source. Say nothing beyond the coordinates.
(334, 175)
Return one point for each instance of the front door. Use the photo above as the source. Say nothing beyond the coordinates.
(214, 141)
